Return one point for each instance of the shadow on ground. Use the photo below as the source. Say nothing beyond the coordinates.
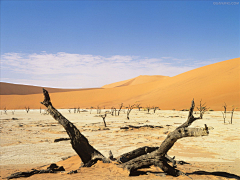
(216, 173)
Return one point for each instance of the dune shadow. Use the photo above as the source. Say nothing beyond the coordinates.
(216, 173)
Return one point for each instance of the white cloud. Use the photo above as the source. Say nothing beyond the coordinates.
(78, 70)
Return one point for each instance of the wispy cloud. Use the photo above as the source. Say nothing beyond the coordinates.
(78, 70)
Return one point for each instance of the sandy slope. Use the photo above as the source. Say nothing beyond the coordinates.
(18, 89)
(134, 81)
(214, 84)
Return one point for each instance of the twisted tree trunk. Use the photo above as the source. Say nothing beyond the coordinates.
(158, 157)
(139, 158)
(79, 142)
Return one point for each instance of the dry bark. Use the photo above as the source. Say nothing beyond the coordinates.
(53, 168)
(157, 157)
(139, 127)
(79, 142)
(134, 160)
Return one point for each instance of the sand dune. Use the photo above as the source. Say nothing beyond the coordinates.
(134, 81)
(214, 84)
(18, 89)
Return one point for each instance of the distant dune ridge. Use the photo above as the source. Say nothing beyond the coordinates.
(18, 89)
(134, 81)
(214, 84)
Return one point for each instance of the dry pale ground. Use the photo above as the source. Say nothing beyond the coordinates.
(28, 142)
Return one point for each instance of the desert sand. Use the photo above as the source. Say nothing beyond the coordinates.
(134, 81)
(214, 84)
(27, 141)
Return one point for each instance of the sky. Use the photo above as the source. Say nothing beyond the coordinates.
(87, 44)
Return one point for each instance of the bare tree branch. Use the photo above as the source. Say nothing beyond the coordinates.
(79, 142)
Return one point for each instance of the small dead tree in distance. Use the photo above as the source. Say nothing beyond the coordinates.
(5, 110)
(233, 108)
(202, 108)
(154, 109)
(27, 109)
(103, 117)
(91, 109)
(136, 159)
(129, 110)
(120, 107)
(138, 106)
(112, 110)
(225, 112)
(78, 110)
(148, 108)
(98, 110)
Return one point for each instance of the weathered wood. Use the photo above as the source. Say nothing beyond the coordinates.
(51, 169)
(61, 139)
(136, 159)
(138, 127)
(79, 142)
(135, 153)
(157, 157)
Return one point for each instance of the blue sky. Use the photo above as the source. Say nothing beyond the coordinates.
(74, 44)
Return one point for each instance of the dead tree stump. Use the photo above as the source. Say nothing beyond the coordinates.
(134, 160)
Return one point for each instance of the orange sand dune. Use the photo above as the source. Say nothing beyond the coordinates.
(18, 89)
(214, 84)
(134, 81)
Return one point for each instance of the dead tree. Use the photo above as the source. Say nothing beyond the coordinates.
(79, 142)
(13, 112)
(202, 109)
(129, 110)
(98, 110)
(158, 157)
(140, 158)
(27, 109)
(120, 107)
(148, 108)
(91, 109)
(233, 108)
(112, 111)
(224, 113)
(138, 106)
(40, 109)
(78, 110)
(155, 108)
(103, 117)
(5, 110)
